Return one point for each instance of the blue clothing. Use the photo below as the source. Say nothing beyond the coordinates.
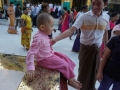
(76, 45)
(107, 82)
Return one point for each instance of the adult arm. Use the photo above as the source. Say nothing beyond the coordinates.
(78, 23)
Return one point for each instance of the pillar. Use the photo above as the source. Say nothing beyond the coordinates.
(89, 4)
(66, 3)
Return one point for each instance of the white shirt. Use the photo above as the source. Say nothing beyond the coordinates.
(79, 14)
(92, 27)
(50, 5)
(29, 12)
(38, 9)
(40, 5)
(14, 7)
(54, 8)
(28, 5)
(59, 8)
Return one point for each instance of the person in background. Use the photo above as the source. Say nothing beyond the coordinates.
(110, 12)
(50, 5)
(76, 45)
(60, 23)
(75, 13)
(18, 13)
(45, 9)
(35, 13)
(109, 70)
(65, 22)
(39, 5)
(113, 19)
(5, 9)
(26, 28)
(116, 29)
(59, 10)
(68, 18)
(11, 13)
(32, 10)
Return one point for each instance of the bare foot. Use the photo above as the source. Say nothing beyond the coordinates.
(74, 83)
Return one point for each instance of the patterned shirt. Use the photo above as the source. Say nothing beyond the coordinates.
(92, 27)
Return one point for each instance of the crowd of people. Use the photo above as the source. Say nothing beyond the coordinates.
(98, 37)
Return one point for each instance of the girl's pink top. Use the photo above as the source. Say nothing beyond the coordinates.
(112, 25)
(40, 49)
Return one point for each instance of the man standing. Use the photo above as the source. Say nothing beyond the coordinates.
(94, 25)
(18, 13)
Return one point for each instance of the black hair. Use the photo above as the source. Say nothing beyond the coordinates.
(72, 9)
(81, 8)
(44, 6)
(103, 1)
(84, 7)
(25, 8)
(65, 8)
(11, 3)
(114, 14)
(118, 21)
(42, 19)
(68, 11)
(18, 4)
(111, 10)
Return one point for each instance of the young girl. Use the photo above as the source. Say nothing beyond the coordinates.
(45, 56)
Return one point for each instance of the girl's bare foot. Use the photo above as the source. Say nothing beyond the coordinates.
(74, 83)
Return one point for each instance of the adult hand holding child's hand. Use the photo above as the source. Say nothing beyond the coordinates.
(30, 74)
(53, 41)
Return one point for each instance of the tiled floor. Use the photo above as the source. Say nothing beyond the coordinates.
(11, 44)
(9, 79)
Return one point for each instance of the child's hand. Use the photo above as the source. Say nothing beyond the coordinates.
(30, 74)
(53, 41)
(99, 76)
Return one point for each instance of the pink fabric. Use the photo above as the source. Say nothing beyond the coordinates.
(116, 28)
(46, 58)
(61, 63)
(112, 25)
(65, 23)
(40, 49)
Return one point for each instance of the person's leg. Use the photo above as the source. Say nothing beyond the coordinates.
(16, 24)
(64, 65)
(116, 85)
(87, 66)
(106, 83)
(28, 38)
